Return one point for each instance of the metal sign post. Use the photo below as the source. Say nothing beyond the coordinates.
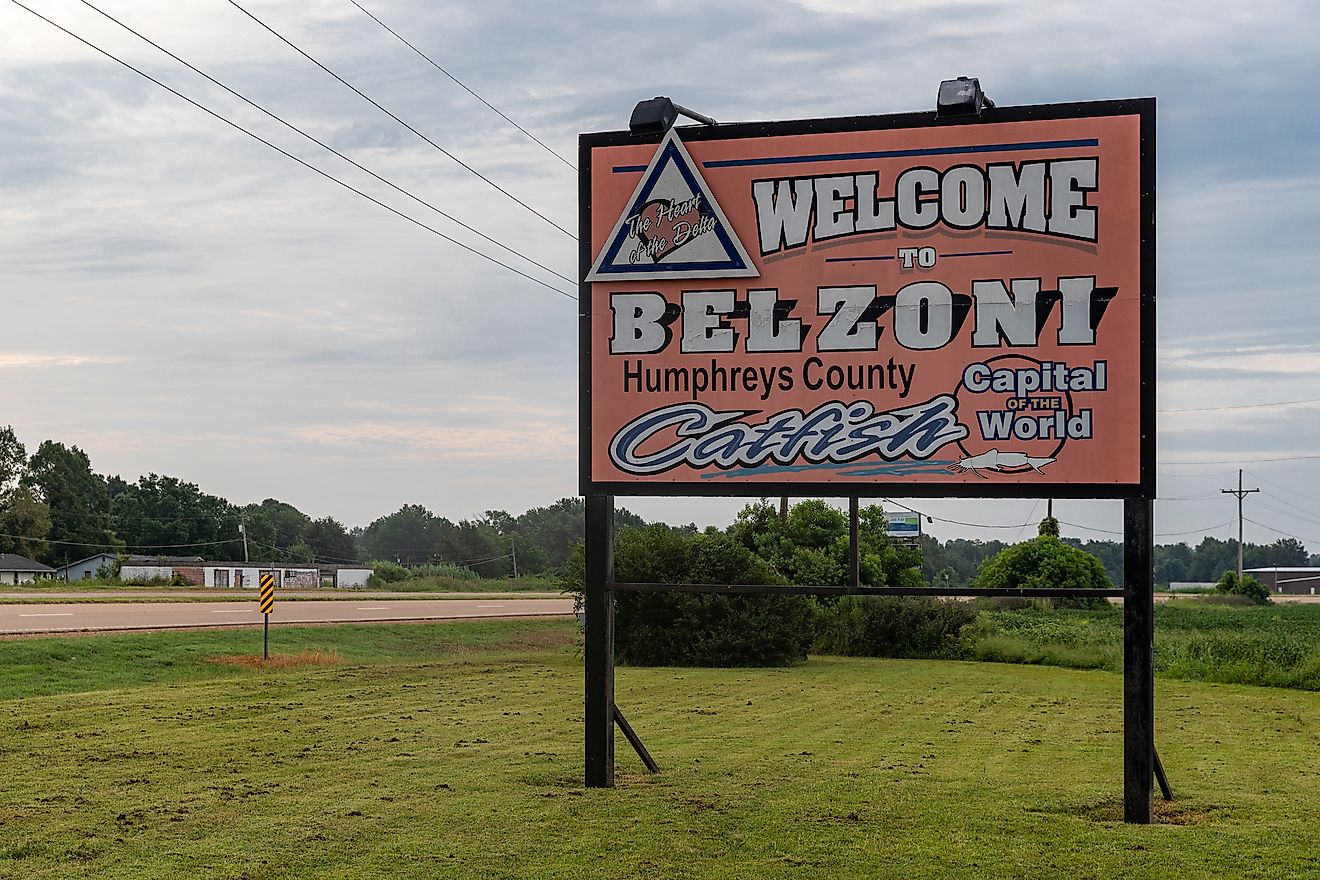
(599, 649)
(267, 604)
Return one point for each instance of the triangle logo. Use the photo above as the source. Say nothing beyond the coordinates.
(672, 227)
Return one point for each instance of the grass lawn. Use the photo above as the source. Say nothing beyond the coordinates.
(454, 750)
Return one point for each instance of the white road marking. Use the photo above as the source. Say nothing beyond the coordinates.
(375, 608)
(234, 611)
(490, 606)
(50, 614)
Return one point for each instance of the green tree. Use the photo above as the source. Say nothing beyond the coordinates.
(274, 528)
(1212, 558)
(330, 541)
(13, 461)
(811, 545)
(162, 515)
(474, 544)
(24, 524)
(24, 518)
(78, 500)
(963, 555)
(289, 522)
(411, 534)
(1044, 562)
(300, 552)
(1110, 554)
(1173, 562)
(883, 562)
(1283, 552)
(553, 532)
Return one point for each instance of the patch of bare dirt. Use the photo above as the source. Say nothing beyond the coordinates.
(1164, 812)
(279, 661)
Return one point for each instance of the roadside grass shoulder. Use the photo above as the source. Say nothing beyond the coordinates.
(1274, 645)
(433, 584)
(468, 765)
(92, 662)
(183, 594)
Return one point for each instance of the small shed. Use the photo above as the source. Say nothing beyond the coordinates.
(15, 570)
(84, 569)
(345, 576)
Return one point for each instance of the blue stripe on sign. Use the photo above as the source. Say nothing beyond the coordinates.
(884, 154)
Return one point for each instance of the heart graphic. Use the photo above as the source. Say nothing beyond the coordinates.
(664, 226)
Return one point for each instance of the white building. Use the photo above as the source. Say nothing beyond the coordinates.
(195, 572)
(15, 570)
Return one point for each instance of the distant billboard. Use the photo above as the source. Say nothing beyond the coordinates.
(903, 524)
(872, 306)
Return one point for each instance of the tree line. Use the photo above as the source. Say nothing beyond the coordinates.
(56, 509)
(956, 562)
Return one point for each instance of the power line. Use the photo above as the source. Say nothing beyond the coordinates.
(1287, 489)
(1239, 460)
(1311, 541)
(1030, 517)
(1305, 517)
(316, 557)
(325, 146)
(125, 547)
(471, 562)
(1157, 534)
(289, 155)
(391, 115)
(1240, 406)
(1061, 522)
(462, 85)
(954, 521)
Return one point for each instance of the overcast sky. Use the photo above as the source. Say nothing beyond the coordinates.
(180, 299)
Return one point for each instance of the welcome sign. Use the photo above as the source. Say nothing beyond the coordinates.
(872, 305)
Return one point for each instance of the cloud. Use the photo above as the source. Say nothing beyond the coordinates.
(210, 309)
(419, 440)
(33, 360)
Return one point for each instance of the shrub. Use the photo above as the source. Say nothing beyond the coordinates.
(661, 628)
(1046, 562)
(894, 626)
(713, 629)
(387, 572)
(447, 570)
(1247, 586)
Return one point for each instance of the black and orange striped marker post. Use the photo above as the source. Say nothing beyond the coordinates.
(267, 604)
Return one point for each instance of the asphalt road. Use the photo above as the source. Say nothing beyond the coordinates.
(89, 616)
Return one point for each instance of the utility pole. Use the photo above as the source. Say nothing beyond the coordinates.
(1240, 493)
(242, 528)
(513, 550)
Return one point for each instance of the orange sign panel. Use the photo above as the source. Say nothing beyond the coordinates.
(880, 305)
